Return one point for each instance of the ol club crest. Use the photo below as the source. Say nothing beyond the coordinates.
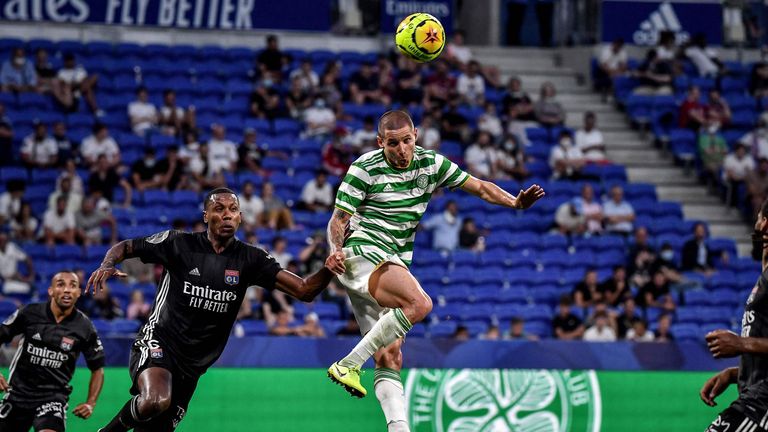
(231, 277)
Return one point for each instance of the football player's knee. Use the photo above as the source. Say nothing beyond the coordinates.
(423, 307)
(154, 404)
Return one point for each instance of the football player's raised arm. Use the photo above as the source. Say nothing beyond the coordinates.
(12, 326)
(305, 289)
(490, 192)
(116, 254)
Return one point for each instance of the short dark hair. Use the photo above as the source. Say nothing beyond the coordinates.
(141, 89)
(565, 300)
(98, 127)
(69, 56)
(278, 239)
(394, 119)
(220, 190)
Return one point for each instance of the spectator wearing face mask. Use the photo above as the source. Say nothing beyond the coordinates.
(757, 140)
(566, 159)
(712, 151)
(445, 228)
(17, 74)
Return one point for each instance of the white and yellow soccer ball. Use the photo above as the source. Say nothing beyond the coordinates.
(421, 37)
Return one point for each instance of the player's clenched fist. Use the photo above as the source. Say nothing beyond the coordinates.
(335, 262)
(724, 343)
(84, 410)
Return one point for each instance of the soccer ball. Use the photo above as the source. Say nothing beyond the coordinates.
(421, 37)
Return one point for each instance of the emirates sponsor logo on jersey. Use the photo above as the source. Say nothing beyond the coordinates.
(45, 357)
(66, 343)
(203, 297)
(231, 277)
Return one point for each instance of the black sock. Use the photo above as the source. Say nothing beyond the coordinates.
(124, 420)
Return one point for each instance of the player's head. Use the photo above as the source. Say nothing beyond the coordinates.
(397, 136)
(64, 289)
(221, 211)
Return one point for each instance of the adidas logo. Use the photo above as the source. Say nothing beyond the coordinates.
(664, 18)
(388, 188)
(37, 337)
(194, 272)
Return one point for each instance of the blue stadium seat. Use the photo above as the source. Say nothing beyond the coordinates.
(254, 327)
(687, 332)
(102, 326)
(444, 329)
(124, 326)
(12, 173)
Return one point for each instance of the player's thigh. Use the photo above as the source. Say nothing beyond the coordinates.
(731, 420)
(168, 421)
(392, 286)
(14, 418)
(50, 416)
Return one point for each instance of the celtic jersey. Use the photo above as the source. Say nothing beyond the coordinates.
(387, 203)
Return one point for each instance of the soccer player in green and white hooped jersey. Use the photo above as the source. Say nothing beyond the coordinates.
(378, 206)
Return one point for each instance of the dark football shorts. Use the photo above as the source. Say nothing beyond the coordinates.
(733, 420)
(147, 354)
(18, 417)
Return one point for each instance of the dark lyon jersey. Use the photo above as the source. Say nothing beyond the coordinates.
(45, 361)
(753, 368)
(198, 296)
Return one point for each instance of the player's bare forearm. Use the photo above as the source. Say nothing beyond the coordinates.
(337, 229)
(490, 192)
(304, 289)
(493, 194)
(117, 253)
(94, 387)
(754, 345)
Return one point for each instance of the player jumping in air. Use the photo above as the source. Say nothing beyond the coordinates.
(54, 334)
(380, 202)
(749, 412)
(203, 284)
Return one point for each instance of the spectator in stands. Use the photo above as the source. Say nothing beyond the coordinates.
(445, 228)
(271, 60)
(663, 330)
(470, 237)
(511, 159)
(616, 289)
(201, 170)
(100, 143)
(70, 173)
(461, 333)
(10, 256)
(251, 207)
(667, 263)
(712, 151)
(667, 46)
(104, 179)
(317, 194)
(172, 118)
(566, 158)
(516, 103)
(692, 111)
(24, 225)
(569, 220)
(364, 86)
(566, 325)
(222, 154)
(470, 85)
(59, 224)
(46, 74)
(17, 74)
(338, 154)
(6, 138)
(306, 77)
(455, 126)
(429, 132)
(757, 140)
(319, 119)
(171, 169)
(72, 198)
(611, 62)
(88, 223)
(460, 56)
(250, 153)
(590, 140)
(696, 254)
(276, 214)
(481, 157)
(11, 199)
(440, 85)
(549, 112)
(279, 251)
(39, 150)
(627, 318)
(717, 111)
(74, 83)
(311, 327)
(312, 256)
(619, 214)
(517, 331)
(758, 80)
(297, 100)
(492, 333)
(284, 324)
(68, 149)
(265, 100)
(587, 292)
(641, 257)
(490, 122)
(639, 332)
(408, 83)
(591, 209)
(654, 293)
(138, 308)
(654, 75)
(330, 90)
(142, 113)
(364, 139)
(703, 57)
(145, 172)
(600, 331)
(757, 184)
(103, 305)
(736, 168)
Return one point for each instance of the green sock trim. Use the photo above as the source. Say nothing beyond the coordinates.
(401, 318)
(386, 373)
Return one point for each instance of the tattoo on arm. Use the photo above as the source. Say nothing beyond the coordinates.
(118, 253)
(337, 228)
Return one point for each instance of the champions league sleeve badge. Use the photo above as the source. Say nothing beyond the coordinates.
(231, 277)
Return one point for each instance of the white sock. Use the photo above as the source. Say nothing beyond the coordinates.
(389, 391)
(391, 327)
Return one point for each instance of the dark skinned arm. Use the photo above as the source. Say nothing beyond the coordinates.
(116, 254)
(304, 289)
(84, 410)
